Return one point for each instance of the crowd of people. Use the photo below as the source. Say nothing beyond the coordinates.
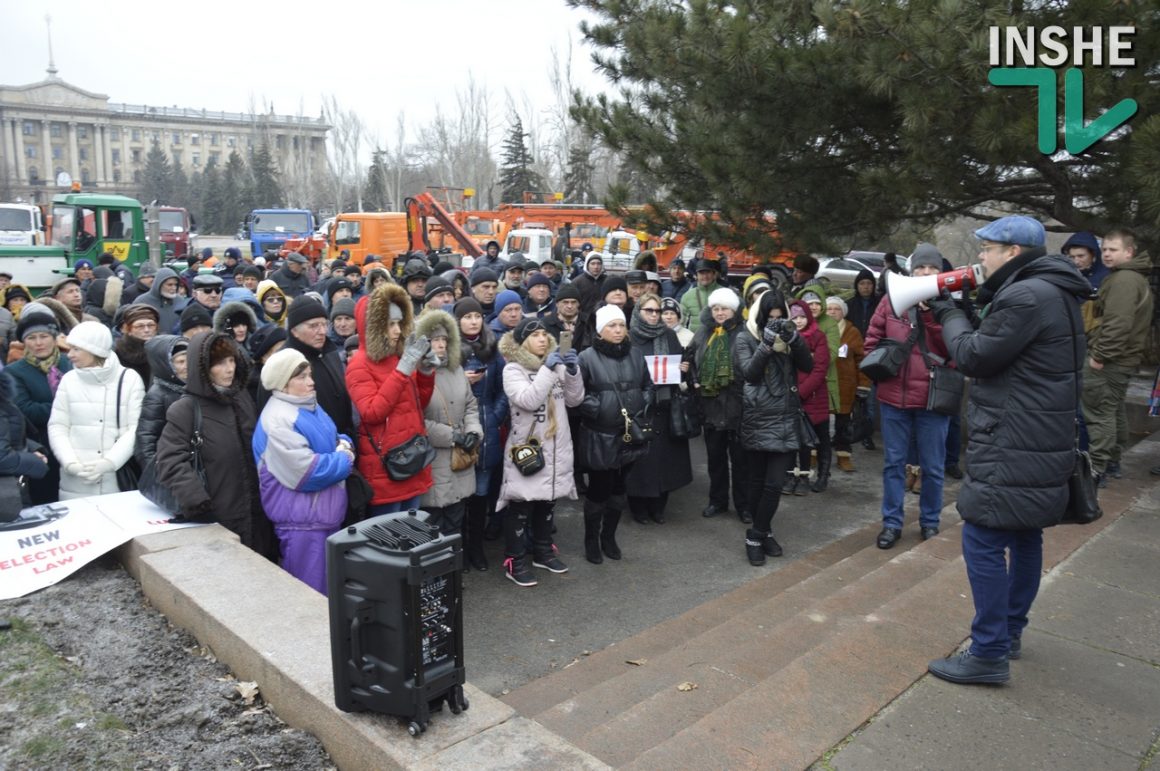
(263, 394)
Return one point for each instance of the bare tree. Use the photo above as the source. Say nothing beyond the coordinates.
(456, 151)
(344, 153)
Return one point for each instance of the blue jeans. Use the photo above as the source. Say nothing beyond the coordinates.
(1003, 593)
(954, 439)
(930, 432)
(395, 507)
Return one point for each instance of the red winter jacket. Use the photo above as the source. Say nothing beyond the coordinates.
(390, 404)
(908, 390)
(812, 385)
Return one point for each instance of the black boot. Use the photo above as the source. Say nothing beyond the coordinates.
(593, 516)
(473, 526)
(608, 531)
(823, 480)
(770, 546)
(753, 547)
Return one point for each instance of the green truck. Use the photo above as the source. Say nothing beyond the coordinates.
(81, 226)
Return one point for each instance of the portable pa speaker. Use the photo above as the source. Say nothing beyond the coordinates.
(396, 618)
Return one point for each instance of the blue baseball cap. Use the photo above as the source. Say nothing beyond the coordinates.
(1017, 229)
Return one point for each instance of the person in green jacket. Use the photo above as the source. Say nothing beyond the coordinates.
(1116, 343)
(697, 298)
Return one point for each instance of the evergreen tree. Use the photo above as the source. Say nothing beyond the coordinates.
(578, 178)
(157, 177)
(376, 194)
(213, 217)
(847, 118)
(266, 192)
(179, 194)
(515, 174)
(235, 201)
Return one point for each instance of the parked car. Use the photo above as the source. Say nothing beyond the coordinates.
(840, 272)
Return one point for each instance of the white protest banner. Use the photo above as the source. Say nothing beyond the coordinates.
(32, 558)
(664, 370)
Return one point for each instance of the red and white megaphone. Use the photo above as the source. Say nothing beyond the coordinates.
(905, 292)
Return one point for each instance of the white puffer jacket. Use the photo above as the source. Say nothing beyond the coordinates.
(83, 425)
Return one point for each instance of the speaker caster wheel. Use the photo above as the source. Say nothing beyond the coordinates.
(414, 728)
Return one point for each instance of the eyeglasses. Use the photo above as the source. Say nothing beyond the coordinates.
(209, 289)
(650, 311)
(990, 247)
(273, 299)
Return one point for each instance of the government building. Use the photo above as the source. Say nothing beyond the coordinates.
(56, 133)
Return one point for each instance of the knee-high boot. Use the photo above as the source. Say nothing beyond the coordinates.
(612, 510)
(593, 518)
(825, 459)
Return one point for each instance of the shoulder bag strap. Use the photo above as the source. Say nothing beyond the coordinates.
(931, 360)
(120, 382)
(1074, 353)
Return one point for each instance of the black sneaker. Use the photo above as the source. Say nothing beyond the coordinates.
(711, 511)
(954, 471)
(889, 537)
(770, 546)
(745, 517)
(967, 669)
(928, 533)
(1114, 471)
(516, 568)
(868, 443)
(1016, 648)
(549, 562)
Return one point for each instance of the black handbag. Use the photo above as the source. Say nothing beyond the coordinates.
(806, 434)
(150, 484)
(359, 495)
(684, 415)
(1083, 503)
(409, 458)
(888, 356)
(14, 497)
(945, 395)
(638, 429)
(129, 474)
(859, 426)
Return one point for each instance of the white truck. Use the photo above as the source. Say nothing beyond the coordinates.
(21, 224)
(533, 243)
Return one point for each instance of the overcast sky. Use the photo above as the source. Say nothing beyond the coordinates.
(377, 58)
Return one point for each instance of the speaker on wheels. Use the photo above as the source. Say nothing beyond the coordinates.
(395, 590)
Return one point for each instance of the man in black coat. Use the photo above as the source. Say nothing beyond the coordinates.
(291, 278)
(308, 327)
(1025, 359)
(862, 305)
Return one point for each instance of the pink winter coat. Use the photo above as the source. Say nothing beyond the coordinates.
(532, 389)
(812, 385)
(909, 389)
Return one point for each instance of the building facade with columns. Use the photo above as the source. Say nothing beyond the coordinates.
(55, 133)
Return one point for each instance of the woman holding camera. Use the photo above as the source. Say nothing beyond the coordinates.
(768, 357)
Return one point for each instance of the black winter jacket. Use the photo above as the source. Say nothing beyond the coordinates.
(772, 406)
(292, 284)
(723, 411)
(163, 392)
(607, 370)
(1025, 358)
(580, 330)
(230, 494)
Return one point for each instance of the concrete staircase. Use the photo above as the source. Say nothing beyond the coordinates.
(784, 667)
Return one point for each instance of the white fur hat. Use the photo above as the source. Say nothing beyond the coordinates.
(726, 298)
(606, 314)
(838, 301)
(280, 367)
(92, 336)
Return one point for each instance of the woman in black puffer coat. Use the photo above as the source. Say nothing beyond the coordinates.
(768, 356)
(218, 373)
(169, 364)
(666, 466)
(613, 377)
(18, 456)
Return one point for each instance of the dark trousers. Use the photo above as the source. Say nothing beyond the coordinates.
(724, 455)
(606, 483)
(766, 474)
(822, 429)
(520, 515)
(1003, 589)
(842, 432)
(449, 519)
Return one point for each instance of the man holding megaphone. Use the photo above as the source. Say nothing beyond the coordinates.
(1024, 353)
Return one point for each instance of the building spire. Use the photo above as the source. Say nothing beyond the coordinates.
(51, 65)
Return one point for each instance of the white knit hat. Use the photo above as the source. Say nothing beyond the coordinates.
(92, 336)
(838, 301)
(606, 314)
(279, 368)
(726, 298)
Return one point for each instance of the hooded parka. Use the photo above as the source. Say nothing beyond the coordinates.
(165, 389)
(168, 309)
(389, 403)
(452, 408)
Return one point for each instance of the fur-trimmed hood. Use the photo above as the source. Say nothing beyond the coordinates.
(430, 319)
(230, 309)
(372, 315)
(65, 319)
(105, 293)
(514, 353)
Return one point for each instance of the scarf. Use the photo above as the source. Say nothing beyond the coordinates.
(483, 346)
(50, 367)
(646, 334)
(717, 365)
(993, 283)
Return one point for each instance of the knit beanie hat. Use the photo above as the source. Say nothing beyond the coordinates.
(606, 314)
(15, 291)
(507, 297)
(342, 307)
(466, 305)
(726, 298)
(92, 336)
(304, 309)
(613, 283)
(146, 269)
(525, 328)
(568, 292)
(36, 318)
(437, 285)
(797, 310)
(482, 275)
(264, 339)
(837, 302)
(195, 315)
(811, 297)
(280, 367)
(926, 254)
(335, 285)
(539, 279)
